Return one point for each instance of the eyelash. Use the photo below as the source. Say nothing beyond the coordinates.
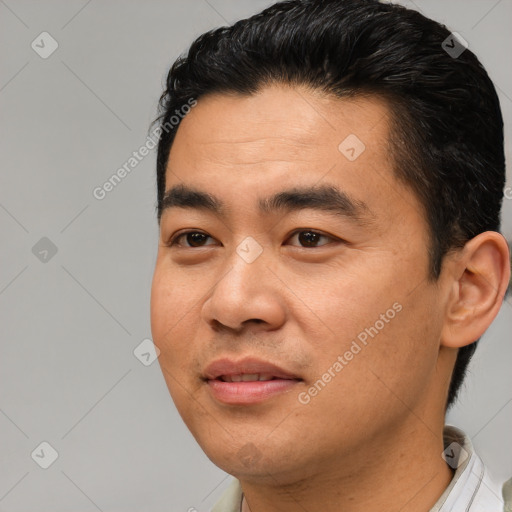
(174, 240)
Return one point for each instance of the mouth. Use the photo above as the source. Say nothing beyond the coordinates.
(247, 381)
(247, 377)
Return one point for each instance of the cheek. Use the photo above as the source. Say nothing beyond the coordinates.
(172, 300)
(386, 335)
(170, 325)
(347, 306)
(377, 382)
(162, 301)
(171, 307)
(400, 350)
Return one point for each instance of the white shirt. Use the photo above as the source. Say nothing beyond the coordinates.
(472, 488)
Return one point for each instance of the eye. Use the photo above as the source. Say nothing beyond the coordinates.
(309, 237)
(194, 238)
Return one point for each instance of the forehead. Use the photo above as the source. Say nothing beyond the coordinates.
(289, 134)
(280, 123)
(242, 148)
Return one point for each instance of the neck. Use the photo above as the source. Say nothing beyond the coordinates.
(405, 472)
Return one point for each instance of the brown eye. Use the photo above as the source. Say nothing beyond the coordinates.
(309, 238)
(193, 239)
(306, 237)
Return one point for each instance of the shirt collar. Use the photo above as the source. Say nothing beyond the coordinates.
(472, 488)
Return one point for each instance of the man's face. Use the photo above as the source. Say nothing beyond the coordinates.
(337, 299)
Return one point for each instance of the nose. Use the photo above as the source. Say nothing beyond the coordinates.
(247, 291)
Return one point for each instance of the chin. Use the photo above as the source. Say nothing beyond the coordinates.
(250, 464)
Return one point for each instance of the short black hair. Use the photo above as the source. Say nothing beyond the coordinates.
(446, 129)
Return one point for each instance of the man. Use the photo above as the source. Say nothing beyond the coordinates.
(330, 177)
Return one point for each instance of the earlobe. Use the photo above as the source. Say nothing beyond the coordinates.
(480, 279)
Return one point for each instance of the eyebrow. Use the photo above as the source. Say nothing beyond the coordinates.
(326, 198)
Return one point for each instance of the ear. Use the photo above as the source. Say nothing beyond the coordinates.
(479, 276)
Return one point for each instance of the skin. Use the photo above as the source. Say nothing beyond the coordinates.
(372, 437)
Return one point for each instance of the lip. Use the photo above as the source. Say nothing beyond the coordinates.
(247, 392)
(226, 366)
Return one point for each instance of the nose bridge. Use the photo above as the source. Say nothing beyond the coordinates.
(250, 250)
(246, 267)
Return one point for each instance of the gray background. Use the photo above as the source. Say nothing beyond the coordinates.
(70, 323)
